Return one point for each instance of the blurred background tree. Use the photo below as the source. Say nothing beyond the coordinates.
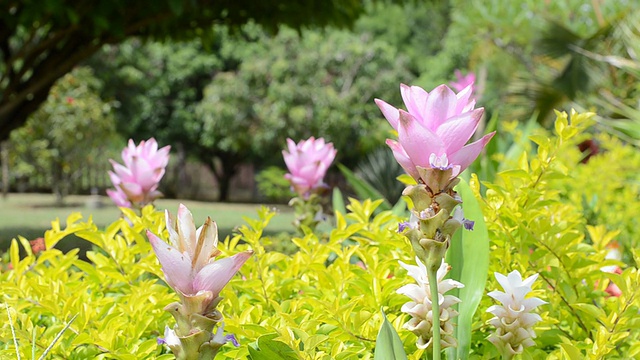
(227, 95)
(69, 134)
(42, 41)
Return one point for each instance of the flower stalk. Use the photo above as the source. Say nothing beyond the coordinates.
(435, 308)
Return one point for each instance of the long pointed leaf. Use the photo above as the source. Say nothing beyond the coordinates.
(469, 253)
(363, 189)
(388, 343)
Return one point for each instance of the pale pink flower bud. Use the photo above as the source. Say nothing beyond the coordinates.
(435, 129)
(421, 322)
(513, 318)
(188, 259)
(136, 181)
(308, 162)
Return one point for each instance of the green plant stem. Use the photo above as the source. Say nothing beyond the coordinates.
(435, 311)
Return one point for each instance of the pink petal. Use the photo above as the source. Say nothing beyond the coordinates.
(186, 228)
(440, 105)
(209, 233)
(119, 198)
(121, 171)
(171, 228)
(215, 276)
(390, 113)
(176, 266)
(133, 191)
(418, 142)
(465, 156)
(414, 98)
(463, 99)
(403, 159)
(458, 130)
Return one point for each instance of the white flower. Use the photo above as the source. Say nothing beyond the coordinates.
(513, 319)
(419, 308)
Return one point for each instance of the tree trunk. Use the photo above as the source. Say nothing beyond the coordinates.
(223, 170)
(4, 153)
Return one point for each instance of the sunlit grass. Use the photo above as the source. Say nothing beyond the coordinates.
(30, 215)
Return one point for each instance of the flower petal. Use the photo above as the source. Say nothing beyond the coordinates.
(176, 266)
(390, 113)
(215, 276)
(440, 106)
(418, 141)
(458, 130)
(403, 159)
(465, 156)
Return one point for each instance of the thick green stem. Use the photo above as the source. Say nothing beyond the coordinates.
(435, 310)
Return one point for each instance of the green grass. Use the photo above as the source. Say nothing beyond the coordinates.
(30, 215)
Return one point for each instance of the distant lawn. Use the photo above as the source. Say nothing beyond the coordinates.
(30, 215)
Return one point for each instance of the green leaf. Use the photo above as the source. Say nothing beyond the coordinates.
(571, 351)
(469, 254)
(337, 200)
(266, 348)
(388, 343)
(362, 188)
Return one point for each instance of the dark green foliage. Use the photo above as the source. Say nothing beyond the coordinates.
(40, 41)
(381, 170)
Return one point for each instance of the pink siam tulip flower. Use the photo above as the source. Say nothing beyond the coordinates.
(434, 130)
(188, 260)
(136, 181)
(308, 162)
(462, 81)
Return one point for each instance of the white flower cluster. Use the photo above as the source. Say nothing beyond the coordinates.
(513, 319)
(419, 308)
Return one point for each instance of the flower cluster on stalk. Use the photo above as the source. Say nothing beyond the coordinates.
(420, 306)
(513, 317)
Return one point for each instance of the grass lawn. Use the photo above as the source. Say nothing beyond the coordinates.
(30, 215)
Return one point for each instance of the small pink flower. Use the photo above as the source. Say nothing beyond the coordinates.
(308, 162)
(188, 259)
(136, 181)
(432, 133)
(462, 81)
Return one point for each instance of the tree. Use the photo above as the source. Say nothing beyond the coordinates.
(319, 84)
(157, 87)
(69, 133)
(42, 41)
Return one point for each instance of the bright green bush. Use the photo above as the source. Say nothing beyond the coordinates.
(323, 300)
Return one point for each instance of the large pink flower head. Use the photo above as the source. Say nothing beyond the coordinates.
(188, 259)
(432, 133)
(308, 162)
(136, 181)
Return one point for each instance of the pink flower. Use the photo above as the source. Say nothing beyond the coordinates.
(188, 260)
(308, 162)
(462, 81)
(137, 181)
(434, 130)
